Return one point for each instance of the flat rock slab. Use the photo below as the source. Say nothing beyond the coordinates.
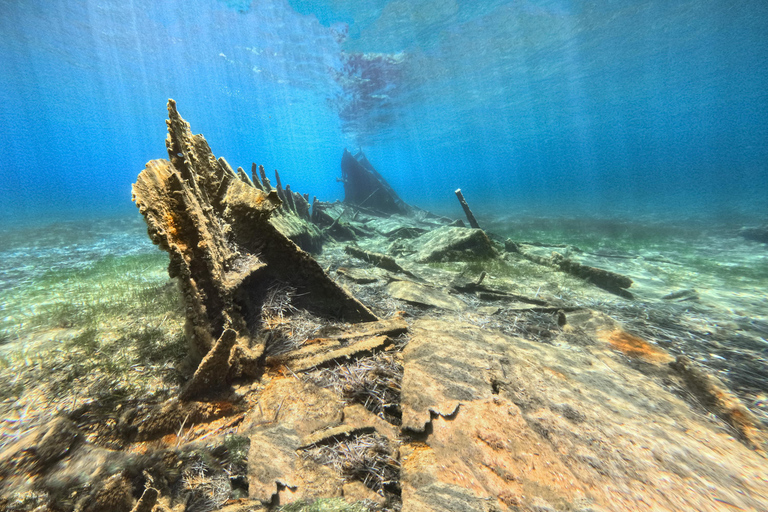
(292, 416)
(510, 424)
(288, 412)
(424, 295)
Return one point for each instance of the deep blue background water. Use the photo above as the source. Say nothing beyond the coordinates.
(614, 108)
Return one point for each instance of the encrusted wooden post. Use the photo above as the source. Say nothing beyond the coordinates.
(470, 217)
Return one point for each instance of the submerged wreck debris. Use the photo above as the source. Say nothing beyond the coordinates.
(536, 402)
(227, 250)
(377, 260)
(489, 384)
(364, 186)
(605, 279)
(715, 396)
(470, 216)
(363, 338)
(681, 295)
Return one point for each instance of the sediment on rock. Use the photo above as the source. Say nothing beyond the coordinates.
(450, 243)
(499, 423)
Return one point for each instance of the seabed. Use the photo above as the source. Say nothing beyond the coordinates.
(92, 329)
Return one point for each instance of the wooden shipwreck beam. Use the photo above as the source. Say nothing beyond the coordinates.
(364, 186)
(215, 225)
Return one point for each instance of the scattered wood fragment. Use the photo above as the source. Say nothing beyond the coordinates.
(377, 260)
(147, 501)
(680, 295)
(484, 292)
(605, 279)
(361, 339)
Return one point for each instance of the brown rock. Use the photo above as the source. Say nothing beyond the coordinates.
(509, 423)
(289, 411)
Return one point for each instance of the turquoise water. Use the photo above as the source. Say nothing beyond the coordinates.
(610, 108)
(629, 135)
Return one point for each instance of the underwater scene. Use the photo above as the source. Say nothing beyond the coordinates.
(383, 255)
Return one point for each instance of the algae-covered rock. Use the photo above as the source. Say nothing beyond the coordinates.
(450, 243)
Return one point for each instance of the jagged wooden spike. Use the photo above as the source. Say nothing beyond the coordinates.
(264, 179)
(280, 191)
(302, 205)
(255, 176)
(222, 246)
(289, 199)
(241, 174)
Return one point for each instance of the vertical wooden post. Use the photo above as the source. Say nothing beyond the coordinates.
(471, 218)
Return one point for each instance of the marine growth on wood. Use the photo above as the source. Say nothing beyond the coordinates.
(215, 225)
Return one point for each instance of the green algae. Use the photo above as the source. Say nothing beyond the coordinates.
(324, 505)
(97, 321)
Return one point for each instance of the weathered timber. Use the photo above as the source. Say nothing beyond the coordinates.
(376, 259)
(244, 177)
(264, 180)
(470, 216)
(302, 206)
(605, 279)
(255, 177)
(462, 285)
(364, 186)
(223, 248)
(279, 188)
(289, 199)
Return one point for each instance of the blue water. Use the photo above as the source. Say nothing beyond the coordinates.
(608, 108)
